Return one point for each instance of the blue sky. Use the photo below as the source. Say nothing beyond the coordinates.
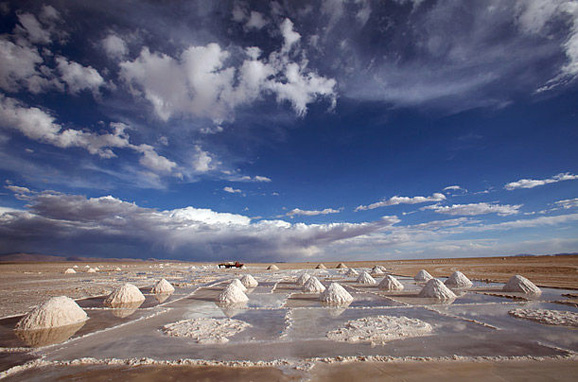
(284, 131)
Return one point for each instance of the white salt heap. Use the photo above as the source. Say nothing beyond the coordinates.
(206, 330)
(249, 281)
(125, 294)
(378, 330)
(458, 280)
(390, 283)
(352, 273)
(239, 284)
(381, 268)
(377, 271)
(56, 312)
(320, 266)
(341, 266)
(273, 267)
(162, 287)
(365, 278)
(335, 294)
(91, 270)
(313, 285)
(547, 316)
(232, 294)
(69, 271)
(117, 269)
(521, 284)
(423, 275)
(303, 279)
(436, 289)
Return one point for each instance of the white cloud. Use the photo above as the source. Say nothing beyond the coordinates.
(32, 28)
(78, 77)
(567, 203)
(256, 21)
(203, 81)
(18, 68)
(395, 200)
(247, 178)
(474, 209)
(232, 190)
(40, 126)
(114, 46)
(531, 183)
(202, 161)
(326, 211)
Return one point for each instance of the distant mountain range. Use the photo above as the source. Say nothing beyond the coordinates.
(37, 257)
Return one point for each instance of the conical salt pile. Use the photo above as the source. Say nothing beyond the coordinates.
(434, 288)
(376, 271)
(519, 283)
(320, 266)
(232, 294)
(91, 270)
(303, 279)
(390, 283)
(273, 268)
(341, 266)
(125, 294)
(313, 285)
(117, 269)
(365, 278)
(239, 285)
(56, 312)
(458, 280)
(335, 294)
(423, 275)
(352, 273)
(249, 281)
(69, 271)
(381, 268)
(162, 287)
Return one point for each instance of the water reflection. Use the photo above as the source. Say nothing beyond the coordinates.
(231, 310)
(122, 310)
(49, 336)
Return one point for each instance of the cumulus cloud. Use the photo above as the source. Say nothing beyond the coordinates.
(76, 224)
(395, 200)
(256, 21)
(326, 211)
(203, 81)
(77, 77)
(41, 126)
(474, 209)
(531, 183)
(232, 190)
(114, 46)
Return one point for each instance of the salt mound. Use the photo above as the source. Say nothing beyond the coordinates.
(436, 289)
(423, 275)
(381, 268)
(206, 330)
(380, 329)
(335, 294)
(390, 283)
(75, 266)
(125, 294)
(377, 271)
(249, 281)
(547, 316)
(117, 269)
(91, 270)
(320, 266)
(273, 268)
(232, 294)
(458, 280)
(69, 271)
(365, 278)
(162, 287)
(56, 312)
(303, 279)
(239, 284)
(352, 273)
(313, 285)
(341, 266)
(519, 283)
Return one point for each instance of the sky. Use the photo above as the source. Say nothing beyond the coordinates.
(289, 130)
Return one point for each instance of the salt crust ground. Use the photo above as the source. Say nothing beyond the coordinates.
(206, 330)
(547, 316)
(378, 330)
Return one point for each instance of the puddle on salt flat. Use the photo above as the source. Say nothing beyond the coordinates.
(266, 300)
(8, 360)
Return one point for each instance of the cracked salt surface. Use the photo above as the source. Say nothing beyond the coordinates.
(206, 330)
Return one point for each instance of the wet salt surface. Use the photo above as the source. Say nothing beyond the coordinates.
(288, 324)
